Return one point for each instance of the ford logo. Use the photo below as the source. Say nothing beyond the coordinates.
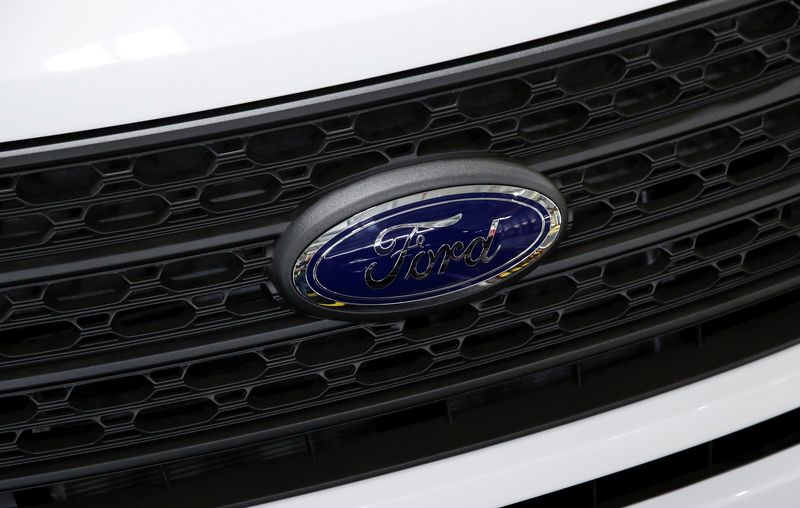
(426, 247)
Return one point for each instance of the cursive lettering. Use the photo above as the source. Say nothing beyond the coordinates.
(407, 241)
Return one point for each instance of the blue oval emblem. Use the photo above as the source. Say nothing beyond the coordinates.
(428, 245)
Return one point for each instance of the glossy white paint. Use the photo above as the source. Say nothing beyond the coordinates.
(85, 64)
(772, 482)
(586, 449)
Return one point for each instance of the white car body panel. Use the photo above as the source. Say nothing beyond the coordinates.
(73, 66)
(586, 449)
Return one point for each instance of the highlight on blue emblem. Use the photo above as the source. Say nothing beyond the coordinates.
(428, 245)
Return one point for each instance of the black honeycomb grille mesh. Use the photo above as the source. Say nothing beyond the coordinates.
(317, 369)
(112, 356)
(226, 290)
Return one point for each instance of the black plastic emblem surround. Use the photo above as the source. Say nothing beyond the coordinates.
(414, 183)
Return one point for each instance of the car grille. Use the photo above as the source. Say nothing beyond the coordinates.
(138, 326)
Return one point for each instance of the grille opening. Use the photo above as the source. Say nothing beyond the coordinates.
(111, 393)
(775, 317)
(86, 293)
(772, 254)
(243, 193)
(553, 122)
(120, 187)
(58, 185)
(153, 318)
(447, 121)
(590, 217)
(175, 416)
(336, 124)
(707, 146)
(403, 119)
(279, 351)
(286, 392)
(334, 347)
(692, 462)
(401, 419)
(127, 214)
(113, 166)
(327, 173)
(686, 284)
(647, 96)
(24, 231)
(591, 73)
(494, 98)
(59, 437)
(617, 173)
(466, 405)
(438, 323)
(141, 274)
(594, 313)
(670, 193)
(285, 144)
(25, 294)
(201, 271)
(578, 496)
(173, 165)
(5, 308)
(761, 440)
(735, 69)
(791, 214)
(293, 173)
(250, 300)
(593, 368)
(16, 409)
(641, 265)
(51, 395)
(768, 20)
(181, 195)
(757, 165)
(794, 47)
(34, 339)
(541, 294)
(783, 120)
(392, 367)
(681, 48)
(230, 397)
(225, 371)
(462, 141)
(726, 238)
(447, 346)
(229, 145)
(36, 496)
(166, 375)
(497, 341)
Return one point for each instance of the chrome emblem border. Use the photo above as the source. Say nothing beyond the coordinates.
(300, 269)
